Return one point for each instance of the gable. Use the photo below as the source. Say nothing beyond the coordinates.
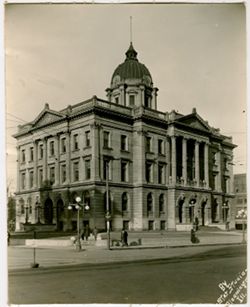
(196, 122)
(46, 118)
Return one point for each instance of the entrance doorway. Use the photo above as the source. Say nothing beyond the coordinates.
(48, 211)
(180, 211)
(203, 208)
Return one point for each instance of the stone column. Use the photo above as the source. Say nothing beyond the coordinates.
(167, 161)
(197, 164)
(122, 95)
(57, 158)
(184, 160)
(154, 100)
(68, 157)
(206, 174)
(18, 168)
(142, 88)
(173, 143)
(45, 159)
(35, 179)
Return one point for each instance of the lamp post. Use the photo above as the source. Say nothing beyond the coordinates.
(191, 206)
(242, 214)
(26, 214)
(107, 216)
(78, 206)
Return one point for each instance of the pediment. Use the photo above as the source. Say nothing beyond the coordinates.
(47, 117)
(195, 121)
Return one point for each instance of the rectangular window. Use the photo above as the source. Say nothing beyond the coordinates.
(75, 142)
(124, 142)
(31, 154)
(160, 147)
(41, 151)
(150, 225)
(76, 171)
(40, 176)
(52, 174)
(31, 175)
(63, 173)
(23, 180)
(160, 174)
(163, 225)
(149, 176)
(131, 100)
(87, 138)
(23, 156)
(52, 148)
(117, 100)
(148, 144)
(124, 171)
(63, 145)
(106, 168)
(106, 139)
(87, 169)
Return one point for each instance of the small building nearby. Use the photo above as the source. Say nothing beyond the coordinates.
(240, 189)
(163, 168)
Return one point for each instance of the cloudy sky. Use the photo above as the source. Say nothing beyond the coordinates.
(64, 54)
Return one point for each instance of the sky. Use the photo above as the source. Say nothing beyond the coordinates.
(64, 54)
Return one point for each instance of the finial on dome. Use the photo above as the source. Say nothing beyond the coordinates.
(131, 54)
(131, 32)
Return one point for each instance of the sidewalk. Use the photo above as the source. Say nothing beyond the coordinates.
(154, 246)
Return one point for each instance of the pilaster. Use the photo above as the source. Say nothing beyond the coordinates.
(197, 164)
(184, 160)
(173, 143)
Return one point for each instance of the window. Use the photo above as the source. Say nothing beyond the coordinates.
(75, 142)
(147, 102)
(87, 169)
(149, 172)
(160, 174)
(23, 181)
(148, 144)
(52, 148)
(22, 209)
(150, 225)
(40, 176)
(124, 142)
(162, 225)
(160, 147)
(31, 154)
(124, 171)
(149, 202)
(30, 209)
(106, 139)
(87, 138)
(76, 171)
(63, 145)
(131, 100)
(63, 173)
(23, 156)
(52, 174)
(41, 151)
(124, 201)
(31, 176)
(161, 203)
(117, 100)
(106, 167)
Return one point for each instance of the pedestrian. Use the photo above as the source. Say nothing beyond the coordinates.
(122, 236)
(193, 238)
(125, 237)
(86, 232)
(95, 232)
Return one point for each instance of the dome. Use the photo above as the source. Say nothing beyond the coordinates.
(131, 68)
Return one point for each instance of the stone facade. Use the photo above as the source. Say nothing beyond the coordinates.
(163, 168)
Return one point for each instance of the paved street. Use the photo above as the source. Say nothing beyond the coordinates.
(189, 276)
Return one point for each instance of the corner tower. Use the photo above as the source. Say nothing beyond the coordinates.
(131, 83)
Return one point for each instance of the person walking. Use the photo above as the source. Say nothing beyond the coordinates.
(86, 232)
(196, 223)
(95, 232)
(125, 237)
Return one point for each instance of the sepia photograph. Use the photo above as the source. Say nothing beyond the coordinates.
(126, 153)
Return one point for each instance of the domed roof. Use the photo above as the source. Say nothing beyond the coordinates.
(131, 68)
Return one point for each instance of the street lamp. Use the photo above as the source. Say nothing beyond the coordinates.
(191, 206)
(78, 206)
(26, 214)
(224, 208)
(242, 214)
(107, 216)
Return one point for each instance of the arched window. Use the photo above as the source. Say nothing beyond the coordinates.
(124, 201)
(161, 203)
(21, 206)
(149, 202)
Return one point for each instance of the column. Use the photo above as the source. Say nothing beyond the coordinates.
(35, 164)
(184, 160)
(206, 175)
(18, 168)
(45, 157)
(154, 100)
(142, 95)
(167, 161)
(68, 157)
(57, 158)
(197, 164)
(122, 94)
(95, 152)
(173, 143)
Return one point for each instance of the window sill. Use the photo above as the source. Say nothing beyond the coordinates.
(107, 148)
(87, 147)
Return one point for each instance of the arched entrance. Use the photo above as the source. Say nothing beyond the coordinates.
(203, 212)
(59, 213)
(215, 211)
(48, 211)
(180, 211)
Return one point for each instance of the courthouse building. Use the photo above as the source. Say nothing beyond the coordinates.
(162, 169)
